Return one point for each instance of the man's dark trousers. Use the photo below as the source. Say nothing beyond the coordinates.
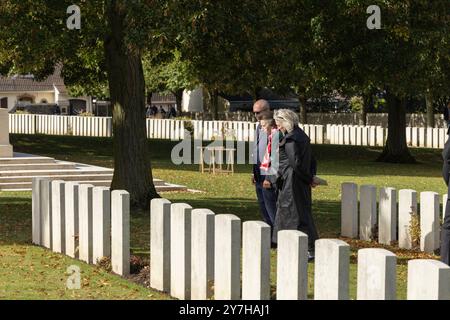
(267, 199)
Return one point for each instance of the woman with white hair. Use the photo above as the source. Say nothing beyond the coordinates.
(296, 173)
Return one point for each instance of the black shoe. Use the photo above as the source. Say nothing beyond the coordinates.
(273, 245)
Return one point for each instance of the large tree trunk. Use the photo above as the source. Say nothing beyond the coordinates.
(365, 109)
(430, 110)
(178, 99)
(396, 149)
(132, 169)
(303, 112)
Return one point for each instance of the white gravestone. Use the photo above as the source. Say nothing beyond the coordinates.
(428, 280)
(292, 265)
(407, 205)
(376, 274)
(227, 259)
(120, 232)
(367, 212)
(101, 223)
(256, 261)
(160, 244)
(6, 150)
(349, 210)
(180, 251)
(331, 270)
(202, 249)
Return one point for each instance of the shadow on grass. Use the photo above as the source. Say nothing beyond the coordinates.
(15, 220)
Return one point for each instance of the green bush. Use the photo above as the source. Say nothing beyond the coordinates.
(356, 103)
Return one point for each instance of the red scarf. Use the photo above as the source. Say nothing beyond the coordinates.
(265, 164)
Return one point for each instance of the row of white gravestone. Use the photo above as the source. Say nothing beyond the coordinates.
(362, 221)
(376, 136)
(81, 221)
(356, 135)
(194, 250)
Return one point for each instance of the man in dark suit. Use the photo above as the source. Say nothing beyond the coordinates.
(265, 189)
(445, 232)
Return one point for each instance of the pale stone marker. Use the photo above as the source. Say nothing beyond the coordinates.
(380, 137)
(387, 218)
(407, 204)
(415, 136)
(160, 244)
(36, 211)
(227, 257)
(442, 137)
(341, 134)
(85, 222)
(349, 210)
(6, 150)
(367, 212)
(72, 222)
(353, 135)
(202, 246)
(408, 136)
(46, 213)
(428, 280)
(180, 251)
(376, 274)
(319, 136)
(292, 265)
(435, 138)
(359, 133)
(331, 273)
(120, 232)
(372, 136)
(101, 223)
(256, 261)
(429, 221)
(429, 138)
(58, 217)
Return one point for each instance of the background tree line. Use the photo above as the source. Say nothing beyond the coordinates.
(310, 48)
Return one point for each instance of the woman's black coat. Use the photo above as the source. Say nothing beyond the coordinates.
(297, 167)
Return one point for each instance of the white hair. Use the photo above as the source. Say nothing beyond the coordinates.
(286, 118)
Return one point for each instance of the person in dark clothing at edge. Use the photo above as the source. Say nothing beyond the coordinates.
(445, 232)
(265, 190)
(295, 178)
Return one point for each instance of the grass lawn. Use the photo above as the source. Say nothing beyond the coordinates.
(32, 272)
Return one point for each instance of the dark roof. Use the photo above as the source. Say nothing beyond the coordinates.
(26, 83)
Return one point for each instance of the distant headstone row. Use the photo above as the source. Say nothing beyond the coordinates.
(392, 218)
(212, 130)
(375, 136)
(195, 254)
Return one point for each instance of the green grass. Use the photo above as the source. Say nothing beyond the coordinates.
(231, 194)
